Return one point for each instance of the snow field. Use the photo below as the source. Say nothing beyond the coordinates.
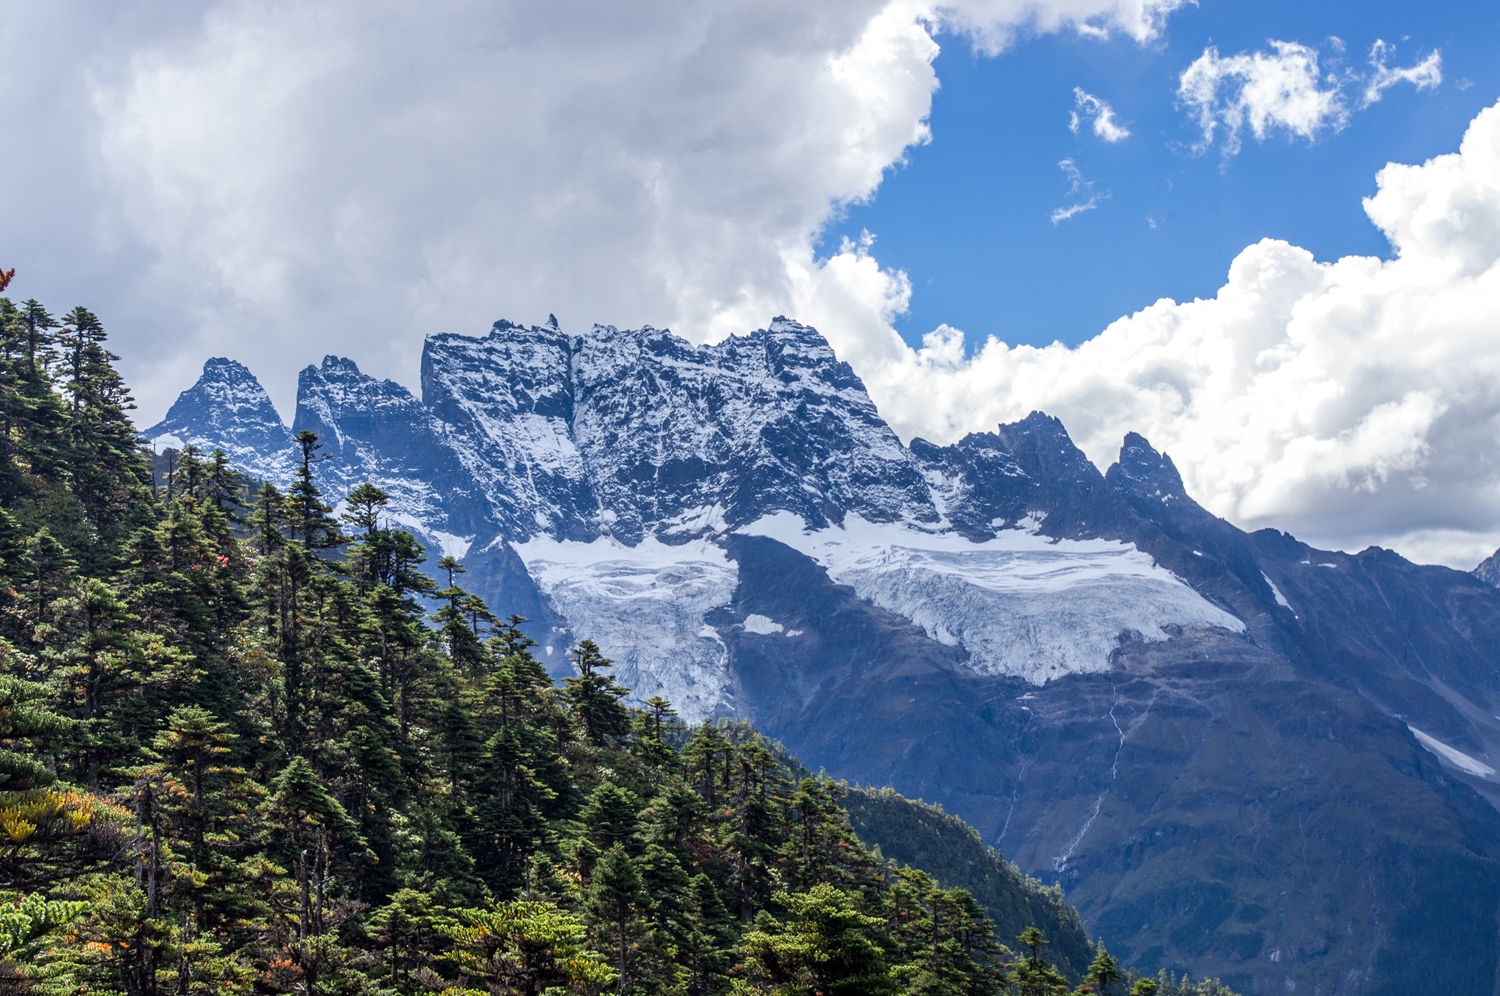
(645, 607)
(1021, 604)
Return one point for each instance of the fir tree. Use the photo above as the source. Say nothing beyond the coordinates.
(594, 697)
(237, 757)
(827, 946)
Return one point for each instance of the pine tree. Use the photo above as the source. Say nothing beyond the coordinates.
(310, 518)
(460, 637)
(26, 724)
(1103, 972)
(616, 902)
(529, 948)
(109, 474)
(594, 697)
(38, 339)
(410, 929)
(707, 938)
(1034, 975)
(317, 838)
(827, 946)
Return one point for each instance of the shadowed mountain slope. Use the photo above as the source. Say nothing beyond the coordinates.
(1235, 753)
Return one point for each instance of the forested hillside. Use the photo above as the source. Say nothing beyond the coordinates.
(247, 745)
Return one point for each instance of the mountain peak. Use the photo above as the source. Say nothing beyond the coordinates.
(223, 368)
(1042, 446)
(1144, 473)
(505, 327)
(338, 366)
(229, 382)
(228, 409)
(1489, 570)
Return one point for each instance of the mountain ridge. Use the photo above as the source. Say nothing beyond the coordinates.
(734, 527)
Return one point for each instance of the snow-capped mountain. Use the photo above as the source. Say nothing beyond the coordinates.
(629, 433)
(1231, 749)
(611, 463)
(229, 410)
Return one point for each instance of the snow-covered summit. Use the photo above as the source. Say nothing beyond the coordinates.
(228, 409)
(634, 432)
(764, 422)
(611, 470)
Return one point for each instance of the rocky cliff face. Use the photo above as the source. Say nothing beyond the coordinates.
(377, 431)
(229, 410)
(1238, 754)
(629, 433)
(1489, 570)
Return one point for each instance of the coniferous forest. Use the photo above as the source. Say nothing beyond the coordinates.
(248, 745)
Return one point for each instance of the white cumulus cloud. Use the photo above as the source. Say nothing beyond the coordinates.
(1284, 89)
(1261, 92)
(1087, 107)
(1351, 402)
(274, 180)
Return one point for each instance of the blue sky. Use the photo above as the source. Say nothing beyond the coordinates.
(967, 217)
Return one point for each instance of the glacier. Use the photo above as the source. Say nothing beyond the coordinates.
(646, 607)
(1021, 604)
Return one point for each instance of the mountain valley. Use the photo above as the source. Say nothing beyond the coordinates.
(1236, 754)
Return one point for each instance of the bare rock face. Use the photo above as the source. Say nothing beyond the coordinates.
(1237, 754)
(1489, 570)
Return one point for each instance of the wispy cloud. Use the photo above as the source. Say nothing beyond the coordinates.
(1284, 89)
(1089, 198)
(1088, 107)
(1425, 75)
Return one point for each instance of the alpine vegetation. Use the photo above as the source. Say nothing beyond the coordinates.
(251, 745)
(1235, 753)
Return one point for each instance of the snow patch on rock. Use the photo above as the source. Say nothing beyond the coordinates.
(1276, 592)
(453, 546)
(645, 605)
(763, 625)
(1452, 755)
(1021, 604)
